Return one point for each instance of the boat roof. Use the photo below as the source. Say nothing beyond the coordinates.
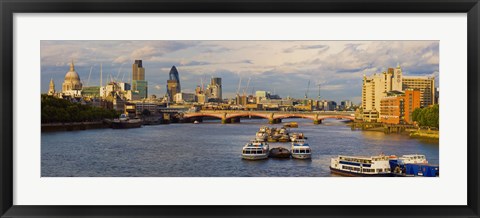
(363, 157)
(413, 155)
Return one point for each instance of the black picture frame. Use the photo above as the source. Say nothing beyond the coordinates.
(9, 7)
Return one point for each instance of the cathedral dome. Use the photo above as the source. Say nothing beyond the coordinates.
(72, 81)
(72, 75)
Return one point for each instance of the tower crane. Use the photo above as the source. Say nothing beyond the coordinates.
(308, 88)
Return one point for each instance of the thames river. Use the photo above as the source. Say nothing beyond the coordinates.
(210, 149)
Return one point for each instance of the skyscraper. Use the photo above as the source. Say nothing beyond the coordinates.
(138, 79)
(138, 72)
(214, 89)
(173, 84)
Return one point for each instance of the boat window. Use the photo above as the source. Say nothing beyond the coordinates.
(247, 151)
(307, 151)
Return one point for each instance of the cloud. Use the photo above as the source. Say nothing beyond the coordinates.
(321, 48)
(283, 66)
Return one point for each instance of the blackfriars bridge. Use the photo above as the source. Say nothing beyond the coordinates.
(233, 116)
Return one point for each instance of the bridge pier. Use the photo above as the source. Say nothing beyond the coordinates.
(274, 121)
(231, 120)
(316, 122)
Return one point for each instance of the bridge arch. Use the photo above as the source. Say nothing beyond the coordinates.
(287, 116)
(264, 116)
(337, 117)
(219, 116)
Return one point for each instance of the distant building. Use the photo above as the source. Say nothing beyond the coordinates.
(397, 107)
(173, 84)
(345, 105)
(375, 88)
(426, 85)
(138, 72)
(91, 91)
(51, 88)
(201, 98)
(184, 97)
(139, 83)
(214, 89)
(71, 85)
(261, 95)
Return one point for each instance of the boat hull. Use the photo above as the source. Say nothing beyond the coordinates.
(254, 157)
(302, 156)
(125, 125)
(354, 174)
(279, 153)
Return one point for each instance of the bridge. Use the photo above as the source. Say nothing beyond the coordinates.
(233, 116)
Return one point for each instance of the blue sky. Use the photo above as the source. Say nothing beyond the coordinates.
(283, 67)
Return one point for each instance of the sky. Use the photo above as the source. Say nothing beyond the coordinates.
(281, 67)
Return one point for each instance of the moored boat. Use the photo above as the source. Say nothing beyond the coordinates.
(301, 150)
(279, 152)
(255, 150)
(360, 165)
(123, 122)
(261, 136)
(413, 165)
(291, 125)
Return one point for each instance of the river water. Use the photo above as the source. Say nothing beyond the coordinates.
(210, 149)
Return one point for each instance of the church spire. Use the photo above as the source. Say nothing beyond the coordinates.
(72, 66)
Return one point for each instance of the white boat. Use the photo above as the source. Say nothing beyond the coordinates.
(255, 150)
(301, 149)
(361, 166)
(413, 159)
(196, 122)
(261, 136)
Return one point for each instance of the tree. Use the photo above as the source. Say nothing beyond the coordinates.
(427, 117)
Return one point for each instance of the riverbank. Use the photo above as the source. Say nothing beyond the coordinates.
(410, 130)
(423, 133)
(54, 127)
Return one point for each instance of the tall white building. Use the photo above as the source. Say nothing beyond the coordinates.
(376, 87)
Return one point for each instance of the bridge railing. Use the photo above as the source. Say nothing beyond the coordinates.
(276, 112)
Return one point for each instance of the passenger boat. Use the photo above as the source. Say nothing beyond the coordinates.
(255, 150)
(295, 136)
(414, 159)
(279, 152)
(301, 150)
(272, 139)
(284, 138)
(263, 129)
(291, 125)
(413, 165)
(261, 136)
(361, 166)
(123, 122)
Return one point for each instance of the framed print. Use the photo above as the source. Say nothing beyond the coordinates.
(246, 109)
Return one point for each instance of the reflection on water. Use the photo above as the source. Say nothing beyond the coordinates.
(210, 149)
